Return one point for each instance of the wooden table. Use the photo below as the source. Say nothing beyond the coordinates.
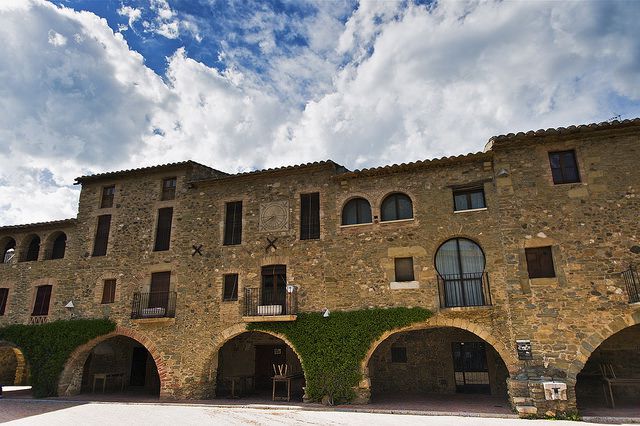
(106, 376)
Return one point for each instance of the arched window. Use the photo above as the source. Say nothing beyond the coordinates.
(8, 250)
(460, 264)
(59, 246)
(33, 249)
(396, 207)
(357, 210)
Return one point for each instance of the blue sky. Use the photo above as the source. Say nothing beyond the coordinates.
(105, 85)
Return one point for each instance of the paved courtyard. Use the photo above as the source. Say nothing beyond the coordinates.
(56, 412)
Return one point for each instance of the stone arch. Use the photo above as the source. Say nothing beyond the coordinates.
(402, 193)
(7, 243)
(55, 245)
(485, 334)
(233, 331)
(70, 380)
(21, 375)
(591, 343)
(30, 248)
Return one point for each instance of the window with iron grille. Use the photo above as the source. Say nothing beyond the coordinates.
(43, 297)
(163, 229)
(564, 167)
(168, 189)
(4, 296)
(398, 354)
(404, 269)
(102, 235)
(357, 210)
(109, 291)
(233, 223)
(468, 199)
(540, 262)
(310, 216)
(230, 291)
(108, 193)
(396, 207)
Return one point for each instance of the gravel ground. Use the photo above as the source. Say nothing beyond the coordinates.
(50, 413)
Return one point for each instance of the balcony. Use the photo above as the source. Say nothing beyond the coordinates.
(459, 290)
(262, 305)
(160, 304)
(632, 282)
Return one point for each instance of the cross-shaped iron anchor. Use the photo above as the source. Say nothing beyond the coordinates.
(272, 243)
(196, 249)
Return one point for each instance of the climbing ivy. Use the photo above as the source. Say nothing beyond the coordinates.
(331, 349)
(47, 347)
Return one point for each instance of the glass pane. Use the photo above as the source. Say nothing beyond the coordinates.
(447, 259)
(477, 200)
(471, 256)
(570, 174)
(405, 209)
(364, 211)
(461, 202)
(568, 159)
(349, 216)
(389, 209)
(554, 159)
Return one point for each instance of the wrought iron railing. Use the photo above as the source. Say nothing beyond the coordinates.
(159, 304)
(458, 290)
(38, 319)
(632, 282)
(263, 302)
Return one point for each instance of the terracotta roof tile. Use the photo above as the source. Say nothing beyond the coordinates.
(49, 224)
(159, 167)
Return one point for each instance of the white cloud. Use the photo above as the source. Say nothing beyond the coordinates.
(131, 13)
(391, 85)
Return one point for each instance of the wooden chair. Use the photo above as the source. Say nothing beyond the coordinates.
(281, 376)
(610, 380)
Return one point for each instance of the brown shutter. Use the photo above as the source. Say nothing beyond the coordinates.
(540, 262)
(163, 230)
(109, 291)
(107, 197)
(404, 269)
(233, 223)
(102, 235)
(43, 296)
(310, 216)
(4, 295)
(159, 291)
(230, 287)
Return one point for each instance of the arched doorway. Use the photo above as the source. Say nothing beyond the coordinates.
(14, 371)
(617, 358)
(248, 362)
(121, 365)
(439, 368)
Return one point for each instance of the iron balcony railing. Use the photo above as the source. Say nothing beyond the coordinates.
(458, 290)
(263, 302)
(160, 304)
(632, 282)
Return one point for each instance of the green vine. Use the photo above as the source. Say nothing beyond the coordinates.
(331, 349)
(47, 347)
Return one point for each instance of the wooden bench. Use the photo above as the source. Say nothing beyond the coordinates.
(610, 380)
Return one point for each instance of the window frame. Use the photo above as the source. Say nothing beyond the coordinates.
(562, 167)
(102, 236)
(539, 270)
(108, 298)
(310, 216)
(467, 192)
(168, 192)
(108, 195)
(232, 230)
(45, 302)
(164, 223)
(395, 196)
(356, 201)
(398, 261)
(233, 297)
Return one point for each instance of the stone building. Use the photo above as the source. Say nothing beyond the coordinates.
(523, 252)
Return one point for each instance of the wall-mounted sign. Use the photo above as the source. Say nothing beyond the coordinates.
(524, 349)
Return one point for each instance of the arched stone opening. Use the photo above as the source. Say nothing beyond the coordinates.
(7, 249)
(617, 358)
(247, 363)
(119, 362)
(56, 245)
(14, 370)
(438, 368)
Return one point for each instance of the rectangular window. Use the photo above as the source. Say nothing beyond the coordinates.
(399, 354)
(168, 189)
(107, 196)
(163, 230)
(159, 290)
(41, 305)
(404, 269)
(230, 291)
(540, 262)
(102, 235)
(109, 291)
(468, 199)
(310, 216)
(233, 223)
(564, 167)
(4, 296)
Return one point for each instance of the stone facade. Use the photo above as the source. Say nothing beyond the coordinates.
(591, 226)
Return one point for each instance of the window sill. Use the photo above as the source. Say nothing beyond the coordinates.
(385, 222)
(356, 225)
(465, 308)
(470, 210)
(159, 321)
(404, 285)
(229, 300)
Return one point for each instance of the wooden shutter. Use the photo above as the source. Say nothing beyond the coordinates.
(107, 197)
(404, 269)
(540, 262)
(163, 230)
(109, 291)
(230, 287)
(233, 223)
(168, 189)
(102, 235)
(310, 216)
(159, 291)
(4, 295)
(43, 296)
